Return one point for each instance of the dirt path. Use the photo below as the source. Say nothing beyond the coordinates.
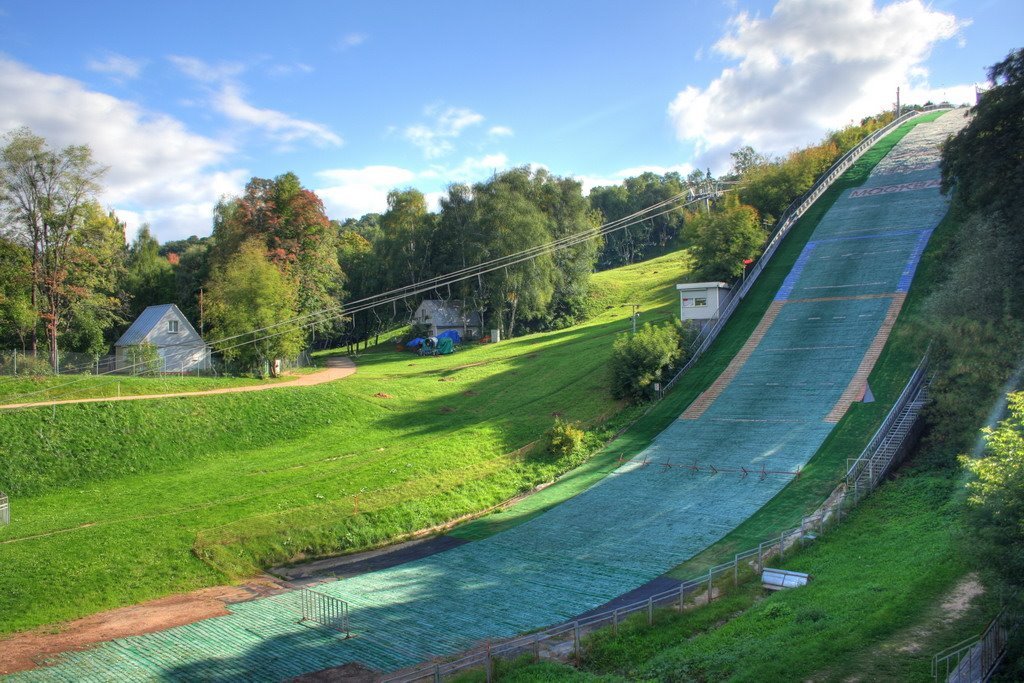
(337, 367)
(26, 650)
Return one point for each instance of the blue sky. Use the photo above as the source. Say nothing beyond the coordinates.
(186, 101)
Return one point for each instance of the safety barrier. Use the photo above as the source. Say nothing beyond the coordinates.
(974, 660)
(887, 445)
(789, 217)
(565, 638)
(5, 509)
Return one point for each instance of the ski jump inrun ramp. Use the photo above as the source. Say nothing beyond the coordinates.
(773, 406)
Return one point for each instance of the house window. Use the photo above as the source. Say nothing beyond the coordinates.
(172, 326)
(700, 301)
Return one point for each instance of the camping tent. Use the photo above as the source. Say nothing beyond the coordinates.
(451, 334)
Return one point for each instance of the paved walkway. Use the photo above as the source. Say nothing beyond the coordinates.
(337, 367)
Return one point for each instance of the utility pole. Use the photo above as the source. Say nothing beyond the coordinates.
(201, 312)
(897, 101)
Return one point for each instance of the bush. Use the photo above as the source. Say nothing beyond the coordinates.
(143, 359)
(565, 438)
(638, 360)
(25, 364)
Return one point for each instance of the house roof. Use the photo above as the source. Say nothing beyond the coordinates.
(449, 313)
(148, 320)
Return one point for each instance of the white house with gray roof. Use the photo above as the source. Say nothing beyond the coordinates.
(442, 316)
(180, 347)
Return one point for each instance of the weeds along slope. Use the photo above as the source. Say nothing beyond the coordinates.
(115, 503)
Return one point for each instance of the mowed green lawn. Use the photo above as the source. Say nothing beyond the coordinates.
(115, 503)
(37, 389)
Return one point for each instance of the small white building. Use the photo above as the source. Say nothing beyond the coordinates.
(701, 301)
(442, 316)
(180, 347)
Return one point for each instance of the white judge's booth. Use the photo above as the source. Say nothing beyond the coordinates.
(702, 301)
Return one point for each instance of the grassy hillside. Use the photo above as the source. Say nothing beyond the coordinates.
(34, 389)
(115, 503)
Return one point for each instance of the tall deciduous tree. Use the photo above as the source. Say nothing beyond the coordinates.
(149, 278)
(45, 194)
(17, 319)
(249, 299)
(96, 266)
(725, 237)
(299, 239)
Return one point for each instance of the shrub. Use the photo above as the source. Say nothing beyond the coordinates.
(638, 360)
(143, 359)
(565, 438)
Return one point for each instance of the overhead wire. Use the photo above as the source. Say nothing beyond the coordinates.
(326, 314)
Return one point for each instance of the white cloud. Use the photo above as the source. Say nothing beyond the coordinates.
(352, 192)
(280, 126)
(158, 169)
(226, 98)
(282, 70)
(117, 66)
(350, 40)
(435, 138)
(500, 131)
(616, 178)
(813, 65)
(471, 169)
(205, 72)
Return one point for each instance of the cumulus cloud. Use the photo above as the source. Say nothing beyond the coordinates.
(353, 192)
(226, 97)
(435, 138)
(118, 67)
(616, 178)
(813, 65)
(158, 170)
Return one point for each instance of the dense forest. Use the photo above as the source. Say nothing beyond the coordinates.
(70, 282)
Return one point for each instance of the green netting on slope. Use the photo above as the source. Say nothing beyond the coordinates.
(630, 527)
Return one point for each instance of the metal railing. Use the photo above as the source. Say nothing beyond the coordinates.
(325, 610)
(974, 660)
(566, 636)
(790, 216)
(882, 451)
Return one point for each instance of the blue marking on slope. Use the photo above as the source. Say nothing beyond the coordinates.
(794, 275)
(915, 258)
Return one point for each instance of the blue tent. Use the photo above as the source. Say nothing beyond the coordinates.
(414, 343)
(451, 334)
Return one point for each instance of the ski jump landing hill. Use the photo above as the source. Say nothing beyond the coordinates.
(772, 408)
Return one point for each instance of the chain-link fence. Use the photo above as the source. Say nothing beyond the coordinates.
(21, 363)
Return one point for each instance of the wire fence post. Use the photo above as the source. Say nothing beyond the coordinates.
(650, 611)
(736, 570)
(710, 587)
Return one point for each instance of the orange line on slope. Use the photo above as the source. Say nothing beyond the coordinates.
(855, 389)
(704, 401)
